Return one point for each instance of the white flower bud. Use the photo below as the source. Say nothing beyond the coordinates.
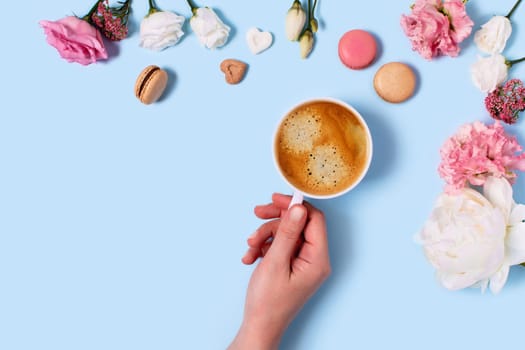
(314, 25)
(295, 21)
(306, 43)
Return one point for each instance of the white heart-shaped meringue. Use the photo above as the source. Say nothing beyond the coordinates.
(258, 41)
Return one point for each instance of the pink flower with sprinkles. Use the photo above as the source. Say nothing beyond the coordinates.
(112, 21)
(507, 101)
(478, 151)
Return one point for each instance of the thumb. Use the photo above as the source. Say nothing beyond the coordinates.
(289, 231)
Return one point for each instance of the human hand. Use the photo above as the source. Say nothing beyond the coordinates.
(293, 246)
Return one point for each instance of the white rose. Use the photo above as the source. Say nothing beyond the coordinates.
(493, 35)
(488, 72)
(472, 239)
(160, 30)
(295, 21)
(208, 27)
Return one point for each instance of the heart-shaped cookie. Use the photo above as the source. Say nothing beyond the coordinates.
(258, 41)
(233, 70)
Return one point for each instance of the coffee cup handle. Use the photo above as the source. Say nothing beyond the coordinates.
(297, 198)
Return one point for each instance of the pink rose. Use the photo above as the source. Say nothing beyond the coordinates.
(427, 29)
(461, 22)
(75, 40)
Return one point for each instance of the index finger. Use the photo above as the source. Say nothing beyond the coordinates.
(280, 202)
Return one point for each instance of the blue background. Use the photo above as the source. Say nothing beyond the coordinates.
(122, 225)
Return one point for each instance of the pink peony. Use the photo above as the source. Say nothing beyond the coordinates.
(478, 151)
(75, 40)
(435, 28)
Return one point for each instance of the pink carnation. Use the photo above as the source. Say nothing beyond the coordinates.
(437, 28)
(478, 151)
(461, 24)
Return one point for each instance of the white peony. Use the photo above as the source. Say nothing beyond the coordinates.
(161, 29)
(209, 28)
(493, 35)
(472, 239)
(488, 72)
(295, 21)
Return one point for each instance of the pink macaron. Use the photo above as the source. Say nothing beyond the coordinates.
(357, 49)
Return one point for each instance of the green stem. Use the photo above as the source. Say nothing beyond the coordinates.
(513, 62)
(87, 17)
(192, 6)
(309, 11)
(465, 1)
(152, 7)
(123, 11)
(513, 9)
(313, 10)
(308, 26)
(311, 16)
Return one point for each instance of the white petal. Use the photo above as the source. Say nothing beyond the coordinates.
(499, 192)
(455, 281)
(498, 280)
(517, 215)
(483, 284)
(515, 240)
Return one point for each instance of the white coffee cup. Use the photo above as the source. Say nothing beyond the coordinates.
(322, 148)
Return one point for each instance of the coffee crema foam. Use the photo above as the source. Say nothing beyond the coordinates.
(321, 148)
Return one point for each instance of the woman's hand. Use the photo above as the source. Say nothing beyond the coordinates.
(293, 246)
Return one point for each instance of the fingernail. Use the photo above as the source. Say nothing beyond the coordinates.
(295, 214)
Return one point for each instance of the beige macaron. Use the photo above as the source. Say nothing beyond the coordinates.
(395, 82)
(150, 84)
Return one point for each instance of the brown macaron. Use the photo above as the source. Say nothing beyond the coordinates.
(150, 84)
(395, 82)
